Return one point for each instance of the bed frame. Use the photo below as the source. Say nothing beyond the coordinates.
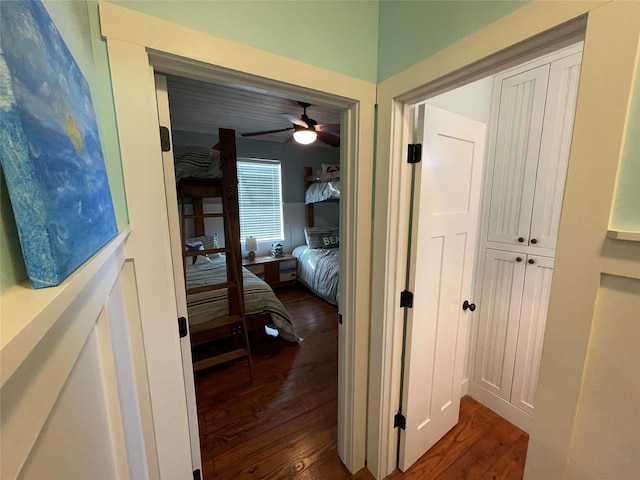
(233, 326)
(309, 179)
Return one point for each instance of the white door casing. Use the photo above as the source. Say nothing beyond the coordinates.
(164, 119)
(446, 217)
(592, 173)
(134, 42)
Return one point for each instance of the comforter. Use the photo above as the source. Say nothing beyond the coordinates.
(258, 297)
(318, 270)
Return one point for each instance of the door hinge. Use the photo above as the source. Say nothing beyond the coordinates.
(165, 139)
(406, 299)
(414, 154)
(182, 327)
(400, 421)
(340, 318)
(197, 475)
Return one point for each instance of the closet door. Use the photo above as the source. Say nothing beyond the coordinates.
(533, 316)
(517, 145)
(554, 150)
(498, 324)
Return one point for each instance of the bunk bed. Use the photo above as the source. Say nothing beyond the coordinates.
(319, 258)
(225, 302)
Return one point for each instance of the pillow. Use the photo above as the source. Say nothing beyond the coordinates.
(196, 162)
(313, 235)
(330, 241)
(208, 242)
(198, 259)
(332, 169)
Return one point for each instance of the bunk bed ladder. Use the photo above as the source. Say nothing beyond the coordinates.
(235, 323)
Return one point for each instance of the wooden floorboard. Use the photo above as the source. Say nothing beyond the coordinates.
(284, 424)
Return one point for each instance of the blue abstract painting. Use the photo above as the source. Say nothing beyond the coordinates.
(49, 147)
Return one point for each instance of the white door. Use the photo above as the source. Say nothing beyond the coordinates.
(164, 119)
(499, 317)
(520, 121)
(444, 238)
(555, 146)
(533, 318)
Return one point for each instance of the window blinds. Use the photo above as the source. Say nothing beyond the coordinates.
(260, 198)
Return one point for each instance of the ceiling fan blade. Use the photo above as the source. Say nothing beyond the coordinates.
(296, 120)
(329, 128)
(265, 132)
(329, 138)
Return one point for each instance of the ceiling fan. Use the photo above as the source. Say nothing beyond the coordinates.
(306, 130)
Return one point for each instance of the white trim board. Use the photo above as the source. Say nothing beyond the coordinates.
(135, 42)
(528, 31)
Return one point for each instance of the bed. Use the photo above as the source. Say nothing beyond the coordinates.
(258, 298)
(321, 191)
(215, 280)
(318, 270)
(319, 259)
(321, 186)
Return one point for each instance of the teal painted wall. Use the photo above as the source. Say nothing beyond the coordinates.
(626, 212)
(341, 36)
(411, 31)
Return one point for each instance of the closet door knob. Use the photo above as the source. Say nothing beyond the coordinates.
(518, 259)
(533, 240)
(466, 305)
(531, 261)
(521, 239)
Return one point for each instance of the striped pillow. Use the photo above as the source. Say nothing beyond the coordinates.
(207, 241)
(196, 162)
(313, 235)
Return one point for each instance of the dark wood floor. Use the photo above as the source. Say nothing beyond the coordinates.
(284, 425)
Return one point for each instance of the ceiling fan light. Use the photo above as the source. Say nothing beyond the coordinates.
(305, 136)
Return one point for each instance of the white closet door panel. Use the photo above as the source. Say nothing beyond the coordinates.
(447, 198)
(498, 324)
(535, 300)
(517, 145)
(554, 150)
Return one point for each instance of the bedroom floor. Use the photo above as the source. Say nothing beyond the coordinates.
(284, 425)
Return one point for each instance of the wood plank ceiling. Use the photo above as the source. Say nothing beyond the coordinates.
(203, 107)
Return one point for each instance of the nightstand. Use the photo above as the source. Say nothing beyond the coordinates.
(276, 271)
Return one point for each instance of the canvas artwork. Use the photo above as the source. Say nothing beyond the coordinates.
(49, 147)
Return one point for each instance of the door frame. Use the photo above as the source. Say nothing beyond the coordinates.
(530, 31)
(136, 42)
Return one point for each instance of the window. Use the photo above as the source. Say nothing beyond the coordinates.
(260, 198)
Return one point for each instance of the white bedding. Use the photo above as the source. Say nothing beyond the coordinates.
(321, 191)
(258, 297)
(318, 270)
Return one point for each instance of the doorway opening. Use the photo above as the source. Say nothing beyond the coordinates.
(293, 167)
(530, 110)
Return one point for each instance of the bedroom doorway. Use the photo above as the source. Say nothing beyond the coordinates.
(138, 45)
(165, 117)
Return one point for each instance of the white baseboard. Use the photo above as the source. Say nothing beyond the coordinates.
(464, 388)
(500, 406)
